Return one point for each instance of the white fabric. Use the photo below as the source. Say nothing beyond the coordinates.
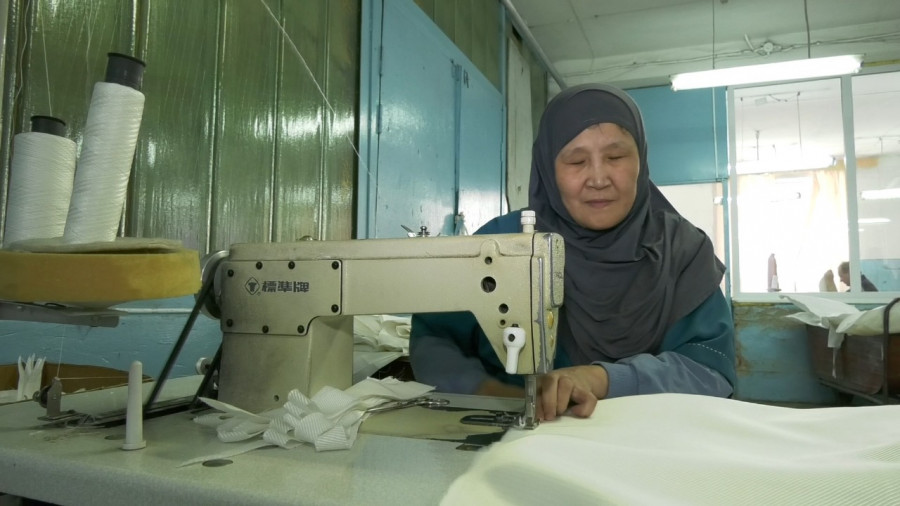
(378, 340)
(328, 421)
(670, 449)
(841, 319)
(871, 322)
(382, 332)
(30, 372)
(799, 231)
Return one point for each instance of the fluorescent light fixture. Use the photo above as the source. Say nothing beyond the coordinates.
(768, 72)
(873, 221)
(786, 163)
(888, 193)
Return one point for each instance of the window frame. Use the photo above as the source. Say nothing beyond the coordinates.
(733, 218)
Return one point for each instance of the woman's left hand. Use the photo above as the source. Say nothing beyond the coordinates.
(573, 389)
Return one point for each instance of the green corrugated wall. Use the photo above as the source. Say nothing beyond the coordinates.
(473, 25)
(237, 144)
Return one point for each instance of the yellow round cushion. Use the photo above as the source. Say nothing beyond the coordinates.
(98, 279)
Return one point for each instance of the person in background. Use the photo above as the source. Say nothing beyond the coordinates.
(844, 274)
(642, 313)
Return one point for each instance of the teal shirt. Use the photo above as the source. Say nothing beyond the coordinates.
(449, 350)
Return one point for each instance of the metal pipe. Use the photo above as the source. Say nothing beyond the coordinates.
(529, 419)
(532, 43)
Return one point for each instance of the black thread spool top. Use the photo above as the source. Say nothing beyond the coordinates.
(48, 125)
(125, 70)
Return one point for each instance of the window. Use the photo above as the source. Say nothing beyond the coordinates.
(876, 126)
(802, 204)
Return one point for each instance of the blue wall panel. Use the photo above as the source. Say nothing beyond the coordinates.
(686, 133)
(417, 143)
(433, 140)
(774, 363)
(480, 161)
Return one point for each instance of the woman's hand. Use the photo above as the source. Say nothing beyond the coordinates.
(574, 389)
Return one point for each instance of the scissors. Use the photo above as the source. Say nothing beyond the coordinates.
(425, 402)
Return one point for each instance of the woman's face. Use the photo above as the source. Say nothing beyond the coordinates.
(597, 174)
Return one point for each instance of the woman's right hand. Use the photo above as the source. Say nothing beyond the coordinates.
(573, 390)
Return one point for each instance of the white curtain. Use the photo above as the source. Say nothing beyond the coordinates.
(801, 218)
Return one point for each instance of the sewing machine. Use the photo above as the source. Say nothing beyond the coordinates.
(287, 308)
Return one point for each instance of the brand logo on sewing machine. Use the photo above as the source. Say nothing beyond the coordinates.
(254, 287)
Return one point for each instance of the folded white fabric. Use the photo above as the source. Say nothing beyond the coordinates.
(871, 322)
(367, 363)
(821, 312)
(841, 319)
(328, 421)
(382, 332)
(378, 340)
(678, 449)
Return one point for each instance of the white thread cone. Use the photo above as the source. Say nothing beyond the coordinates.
(104, 166)
(40, 187)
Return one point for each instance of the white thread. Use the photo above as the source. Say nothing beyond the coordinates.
(104, 165)
(22, 54)
(40, 186)
(312, 76)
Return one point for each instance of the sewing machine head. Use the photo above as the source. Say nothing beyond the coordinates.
(287, 308)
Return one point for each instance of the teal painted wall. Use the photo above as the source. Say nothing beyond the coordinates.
(687, 134)
(147, 332)
(773, 359)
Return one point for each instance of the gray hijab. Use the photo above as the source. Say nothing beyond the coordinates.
(625, 286)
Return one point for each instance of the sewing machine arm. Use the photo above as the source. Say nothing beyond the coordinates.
(286, 308)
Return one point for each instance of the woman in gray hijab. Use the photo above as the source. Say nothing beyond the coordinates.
(642, 312)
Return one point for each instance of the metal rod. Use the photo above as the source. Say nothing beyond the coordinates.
(530, 420)
(532, 43)
(886, 351)
(176, 350)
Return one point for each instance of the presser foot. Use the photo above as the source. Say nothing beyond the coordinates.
(503, 419)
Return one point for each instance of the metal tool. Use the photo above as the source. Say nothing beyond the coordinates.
(504, 419)
(425, 402)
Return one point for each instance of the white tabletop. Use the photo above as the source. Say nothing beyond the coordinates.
(82, 466)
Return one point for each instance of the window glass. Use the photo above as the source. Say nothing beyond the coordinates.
(876, 109)
(790, 191)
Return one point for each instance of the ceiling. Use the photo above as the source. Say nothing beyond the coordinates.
(635, 43)
(641, 42)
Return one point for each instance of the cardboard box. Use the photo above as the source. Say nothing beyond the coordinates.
(862, 364)
(73, 377)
